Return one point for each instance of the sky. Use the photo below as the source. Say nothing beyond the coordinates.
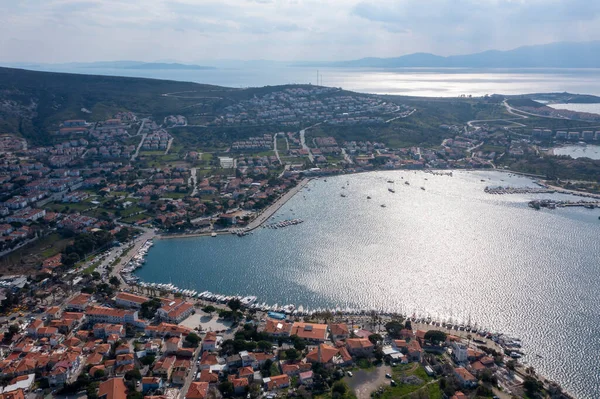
(55, 31)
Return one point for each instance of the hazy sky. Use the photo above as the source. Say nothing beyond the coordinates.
(196, 30)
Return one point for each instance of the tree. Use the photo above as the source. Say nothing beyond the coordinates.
(234, 304)
(375, 338)
(99, 374)
(114, 281)
(435, 336)
(264, 345)
(339, 389)
(226, 388)
(393, 328)
(408, 325)
(292, 354)
(511, 365)
(193, 339)
(299, 343)
(133, 375)
(149, 308)
(209, 309)
(532, 386)
(148, 360)
(266, 368)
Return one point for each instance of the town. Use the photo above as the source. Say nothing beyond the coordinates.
(106, 340)
(79, 212)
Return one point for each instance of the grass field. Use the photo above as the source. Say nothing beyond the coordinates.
(28, 258)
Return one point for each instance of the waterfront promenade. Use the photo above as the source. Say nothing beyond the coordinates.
(275, 206)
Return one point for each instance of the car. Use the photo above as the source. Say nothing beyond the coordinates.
(388, 375)
(349, 373)
(393, 383)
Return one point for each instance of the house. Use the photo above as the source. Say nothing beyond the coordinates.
(166, 330)
(100, 314)
(459, 352)
(239, 385)
(128, 300)
(207, 360)
(79, 302)
(17, 394)
(172, 344)
(180, 371)
(113, 388)
(103, 330)
(210, 341)
(414, 351)
(360, 347)
(306, 378)
(207, 376)
(174, 310)
(339, 331)
(310, 331)
(277, 382)
(246, 372)
(459, 395)
(278, 328)
(290, 369)
(151, 384)
(323, 353)
(466, 379)
(164, 367)
(248, 359)
(197, 390)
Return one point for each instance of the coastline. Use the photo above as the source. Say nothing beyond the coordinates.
(258, 221)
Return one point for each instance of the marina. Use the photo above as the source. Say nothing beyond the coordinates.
(438, 243)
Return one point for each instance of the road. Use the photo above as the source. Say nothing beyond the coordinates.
(147, 235)
(401, 116)
(169, 146)
(268, 212)
(275, 148)
(137, 150)
(191, 375)
(194, 181)
(304, 146)
(347, 157)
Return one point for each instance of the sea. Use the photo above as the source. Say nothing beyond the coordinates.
(440, 247)
(578, 151)
(426, 82)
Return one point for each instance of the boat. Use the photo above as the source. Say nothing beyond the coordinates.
(343, 195)
(368, 197)
(391, 190)
(383, 205)
(214, 234)
(407, 183)
(390, 181)
(423, 188)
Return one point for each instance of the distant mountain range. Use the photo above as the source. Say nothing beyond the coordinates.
(555, 55)
(116, 65)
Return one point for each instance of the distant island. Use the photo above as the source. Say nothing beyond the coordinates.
(143, 65)
(554, 55)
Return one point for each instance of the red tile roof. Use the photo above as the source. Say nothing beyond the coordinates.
(197, 390)
(113, 389)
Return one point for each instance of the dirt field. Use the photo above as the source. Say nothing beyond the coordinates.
(366, 381)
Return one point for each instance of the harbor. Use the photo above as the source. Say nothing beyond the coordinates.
(438, 245)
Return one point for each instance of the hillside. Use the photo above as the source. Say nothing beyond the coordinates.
(554, 55)
(33, 103)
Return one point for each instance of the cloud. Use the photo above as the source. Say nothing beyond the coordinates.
(192, 30)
